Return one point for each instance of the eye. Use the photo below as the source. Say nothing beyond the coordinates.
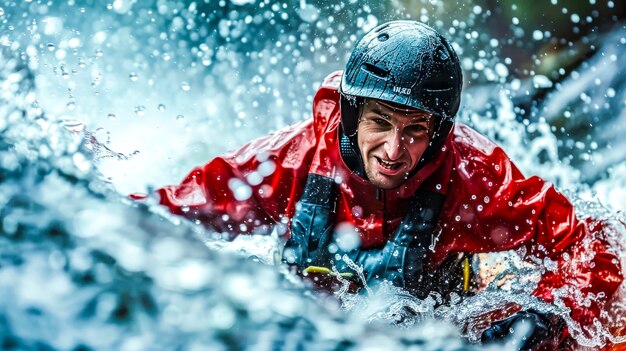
(417, 128)
(380, 121)
(417, 131)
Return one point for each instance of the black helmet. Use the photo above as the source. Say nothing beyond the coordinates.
(405, 63)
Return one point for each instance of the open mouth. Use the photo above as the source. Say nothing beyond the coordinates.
(392, 166)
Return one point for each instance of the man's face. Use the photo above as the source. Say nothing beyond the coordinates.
(392, 140)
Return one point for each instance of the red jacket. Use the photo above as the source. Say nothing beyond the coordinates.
(490, 206)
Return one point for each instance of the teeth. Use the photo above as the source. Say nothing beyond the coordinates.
(388, 165)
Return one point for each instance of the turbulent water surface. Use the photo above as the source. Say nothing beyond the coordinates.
(98, 100)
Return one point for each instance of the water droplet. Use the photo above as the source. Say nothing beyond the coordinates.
(81, 162)
(610, 92)
(457, 218)
(1, 11)
(133, 76)
(51, 47)
(71, 105)
(501, 70)
(267, 168)
(346, 237)
(161, 107)
(357, 211)
(254, 178)
(185, 86)
(111, 116)
(541, 81)
(180, 118)
(99, 53)
(266, 190)
(139, 110)
(438, 186)
(241, 191)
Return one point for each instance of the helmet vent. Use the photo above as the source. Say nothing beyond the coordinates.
(382, 27)
(375, 70)
(441, 55)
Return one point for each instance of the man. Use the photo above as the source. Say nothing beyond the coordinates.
(420, 194)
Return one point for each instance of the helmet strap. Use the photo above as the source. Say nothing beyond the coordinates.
(351, 154)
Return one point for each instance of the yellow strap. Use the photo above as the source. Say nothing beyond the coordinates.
(324, 270)
(466, 274)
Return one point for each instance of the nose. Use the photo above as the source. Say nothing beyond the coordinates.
(394, 144)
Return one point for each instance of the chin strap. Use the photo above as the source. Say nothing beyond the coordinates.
(350, 155)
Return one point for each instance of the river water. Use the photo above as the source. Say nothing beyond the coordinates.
(99, 100)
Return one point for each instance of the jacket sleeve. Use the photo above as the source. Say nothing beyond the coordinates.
(252, 188)
(249, 189)
(495, 208)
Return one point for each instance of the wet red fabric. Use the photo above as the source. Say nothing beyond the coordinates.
(490, 206)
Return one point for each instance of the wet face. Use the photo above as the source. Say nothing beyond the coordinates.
(392, 140)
